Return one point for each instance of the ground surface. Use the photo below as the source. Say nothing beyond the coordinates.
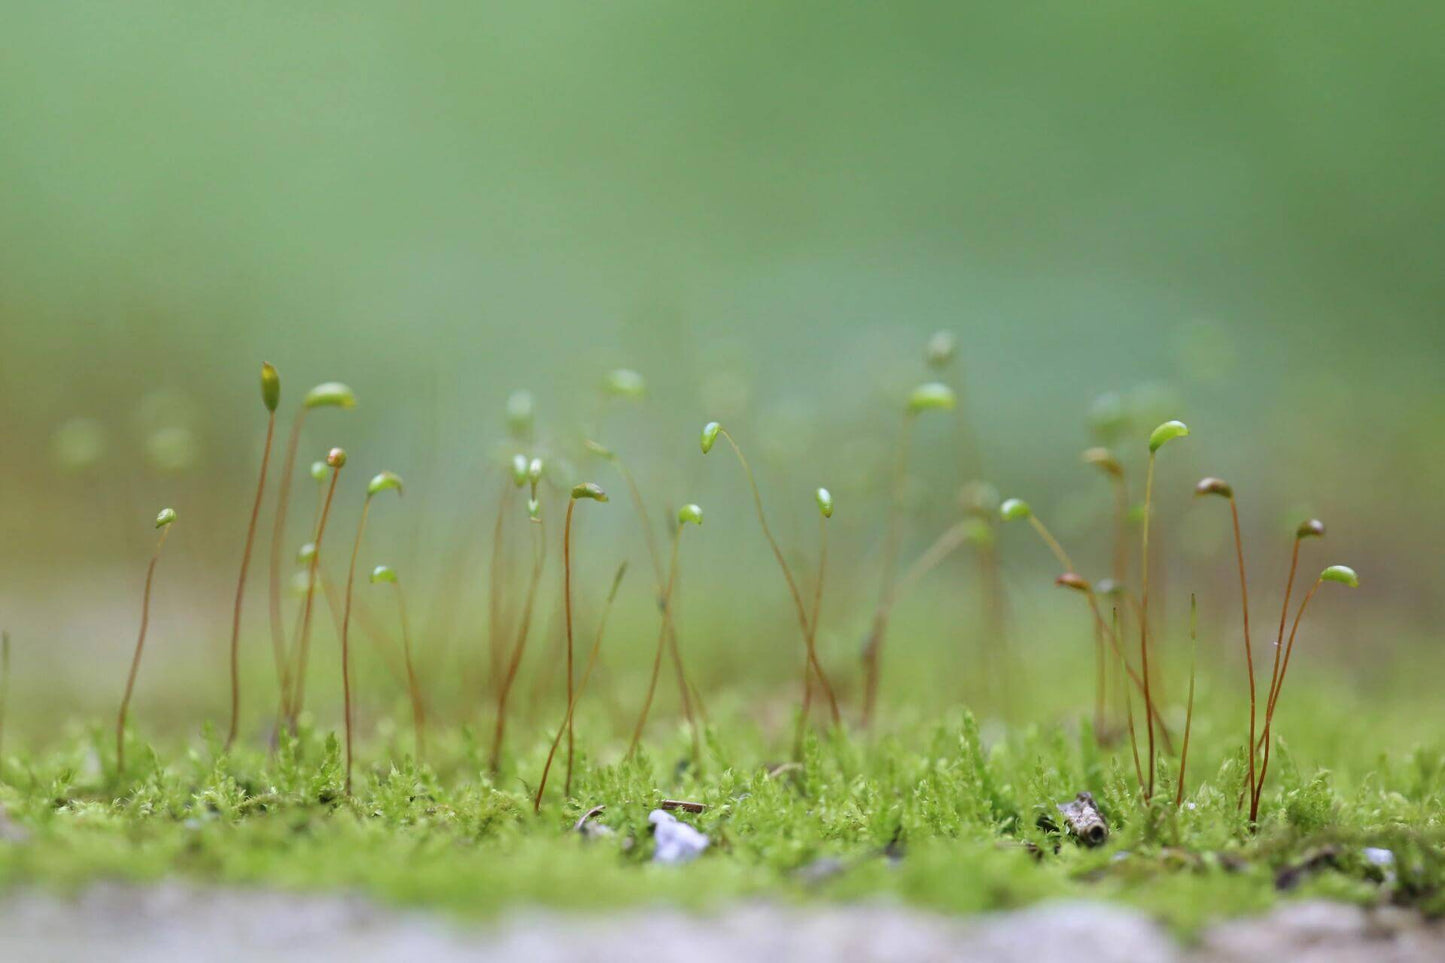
(170, 922)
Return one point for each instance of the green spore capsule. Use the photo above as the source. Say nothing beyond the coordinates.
(384, 481)
(709, 435)
(1014, 509)
(270, 386)
(331, 394)
(933, 396)
(589, 490)
(1166, 433)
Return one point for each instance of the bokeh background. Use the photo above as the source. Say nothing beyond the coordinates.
(1229, 213)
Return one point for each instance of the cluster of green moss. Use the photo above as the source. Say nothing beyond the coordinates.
(937, 815)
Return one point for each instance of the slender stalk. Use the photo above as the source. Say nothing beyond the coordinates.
(813, 630)
(284, 669)
(991, 588)
(145, 617)
(346, 633)
(1120, 562)
(581, 685)
(418, 708)
(495, 574)
(1248, 649)
(303, 646)
(1283, 615)
(1100, 723)
(649, 536)
(241, 584)
(524, 627)
(278, 542)
(567, 605)
(788, 577)
(1099, 663)
(1053, 543)
(1113, 637)
(1129, 709)
(661, 645)
(1269, 710)
(1144, 621)
(1188, 712)
(1121, 529)
(891, 538)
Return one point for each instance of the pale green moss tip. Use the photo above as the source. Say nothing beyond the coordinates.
(270, 386)
(1013, 509)
(1166, 433)
(589, 490)
(709, 435)
(384, 481)
(933, 396)
(625, 383)
(331, 394)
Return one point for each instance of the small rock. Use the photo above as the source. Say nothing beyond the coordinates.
(1376, 856)
(676, 842)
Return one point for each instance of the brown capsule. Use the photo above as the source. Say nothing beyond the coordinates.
(1314, 528)
(1214, 486)
(336, 457)
(1071, 581)
(1104, 460)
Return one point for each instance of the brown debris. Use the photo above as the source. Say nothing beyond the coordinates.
(682, 804)
(1083, 819)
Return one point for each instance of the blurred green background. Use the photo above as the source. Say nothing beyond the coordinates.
(1230, 213)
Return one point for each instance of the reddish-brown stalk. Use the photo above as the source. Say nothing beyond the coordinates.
(811, 652)
(1248, 648)
(278, 541)
(1189, 711)
(1313, 528)
(593, 492)
(1217, 486)
(892, 534)
(270, 392)
(1111, 634)
(382, 482)
(1144, 622)
(1129, 709)
(581, 686)
(514, 662)
(567, 604)
(807, 708)
(336, 459)
(1334, 573)
(163, 522)
(495, 574)
(418, 707)
(662, 642)
(659, 577)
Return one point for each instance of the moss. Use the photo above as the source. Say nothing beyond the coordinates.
(934, 815)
